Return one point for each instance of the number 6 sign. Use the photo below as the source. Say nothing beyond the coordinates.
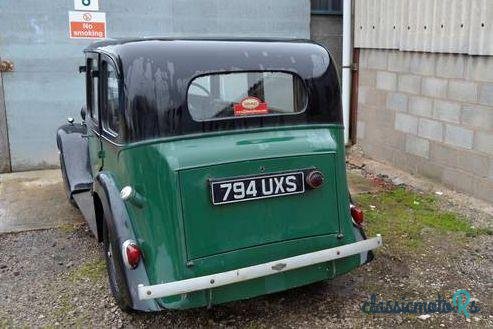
(86, 5)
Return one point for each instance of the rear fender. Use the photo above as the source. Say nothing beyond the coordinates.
(74, 153)
(120, 226)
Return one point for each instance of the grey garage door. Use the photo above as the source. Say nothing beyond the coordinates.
(45, 87)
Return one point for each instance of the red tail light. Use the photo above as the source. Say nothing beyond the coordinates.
(357, 215)
(315, 179)
(131, 254)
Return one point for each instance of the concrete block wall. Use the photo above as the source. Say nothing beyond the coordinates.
(430, 114)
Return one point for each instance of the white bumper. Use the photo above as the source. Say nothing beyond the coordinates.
(256, 271)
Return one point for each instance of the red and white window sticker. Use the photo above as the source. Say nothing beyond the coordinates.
(250, 106)
(87, 25)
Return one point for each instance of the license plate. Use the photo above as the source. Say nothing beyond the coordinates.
(256, 187)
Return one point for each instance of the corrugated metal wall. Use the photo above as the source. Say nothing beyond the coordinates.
(45, 87)
(441, 26)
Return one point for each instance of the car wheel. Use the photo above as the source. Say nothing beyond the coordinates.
(65, 181)
(114, 266)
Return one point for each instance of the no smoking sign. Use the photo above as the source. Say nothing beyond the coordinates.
(87, 25)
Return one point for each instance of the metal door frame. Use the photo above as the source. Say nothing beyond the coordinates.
(5, 164)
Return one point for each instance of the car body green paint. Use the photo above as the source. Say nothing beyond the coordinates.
(183, 235)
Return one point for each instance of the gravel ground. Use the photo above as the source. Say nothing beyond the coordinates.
(57, 278)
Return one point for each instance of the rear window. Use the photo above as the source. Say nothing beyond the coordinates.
(245, 94)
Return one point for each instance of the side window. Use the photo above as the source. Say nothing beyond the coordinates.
(111, 113)
(92, 88)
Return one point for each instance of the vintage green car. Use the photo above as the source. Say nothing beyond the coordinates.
(212, 170)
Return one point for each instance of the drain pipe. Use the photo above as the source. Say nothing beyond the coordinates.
(346, 66)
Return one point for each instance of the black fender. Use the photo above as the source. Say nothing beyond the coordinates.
(74, 153)
(120, 226)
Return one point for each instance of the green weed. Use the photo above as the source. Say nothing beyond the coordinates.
(401, 215)
(92, 271)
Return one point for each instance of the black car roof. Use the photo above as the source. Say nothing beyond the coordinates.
(303, 57)
(156, 73)
(133, 42)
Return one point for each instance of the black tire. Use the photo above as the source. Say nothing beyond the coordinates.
(114, 266)
(65, 181)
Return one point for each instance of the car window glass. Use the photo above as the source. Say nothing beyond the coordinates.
(241, 94)
(112, 116)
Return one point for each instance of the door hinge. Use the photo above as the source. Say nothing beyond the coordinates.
(6, 66)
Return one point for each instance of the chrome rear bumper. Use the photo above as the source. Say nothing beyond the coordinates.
(256, 271)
